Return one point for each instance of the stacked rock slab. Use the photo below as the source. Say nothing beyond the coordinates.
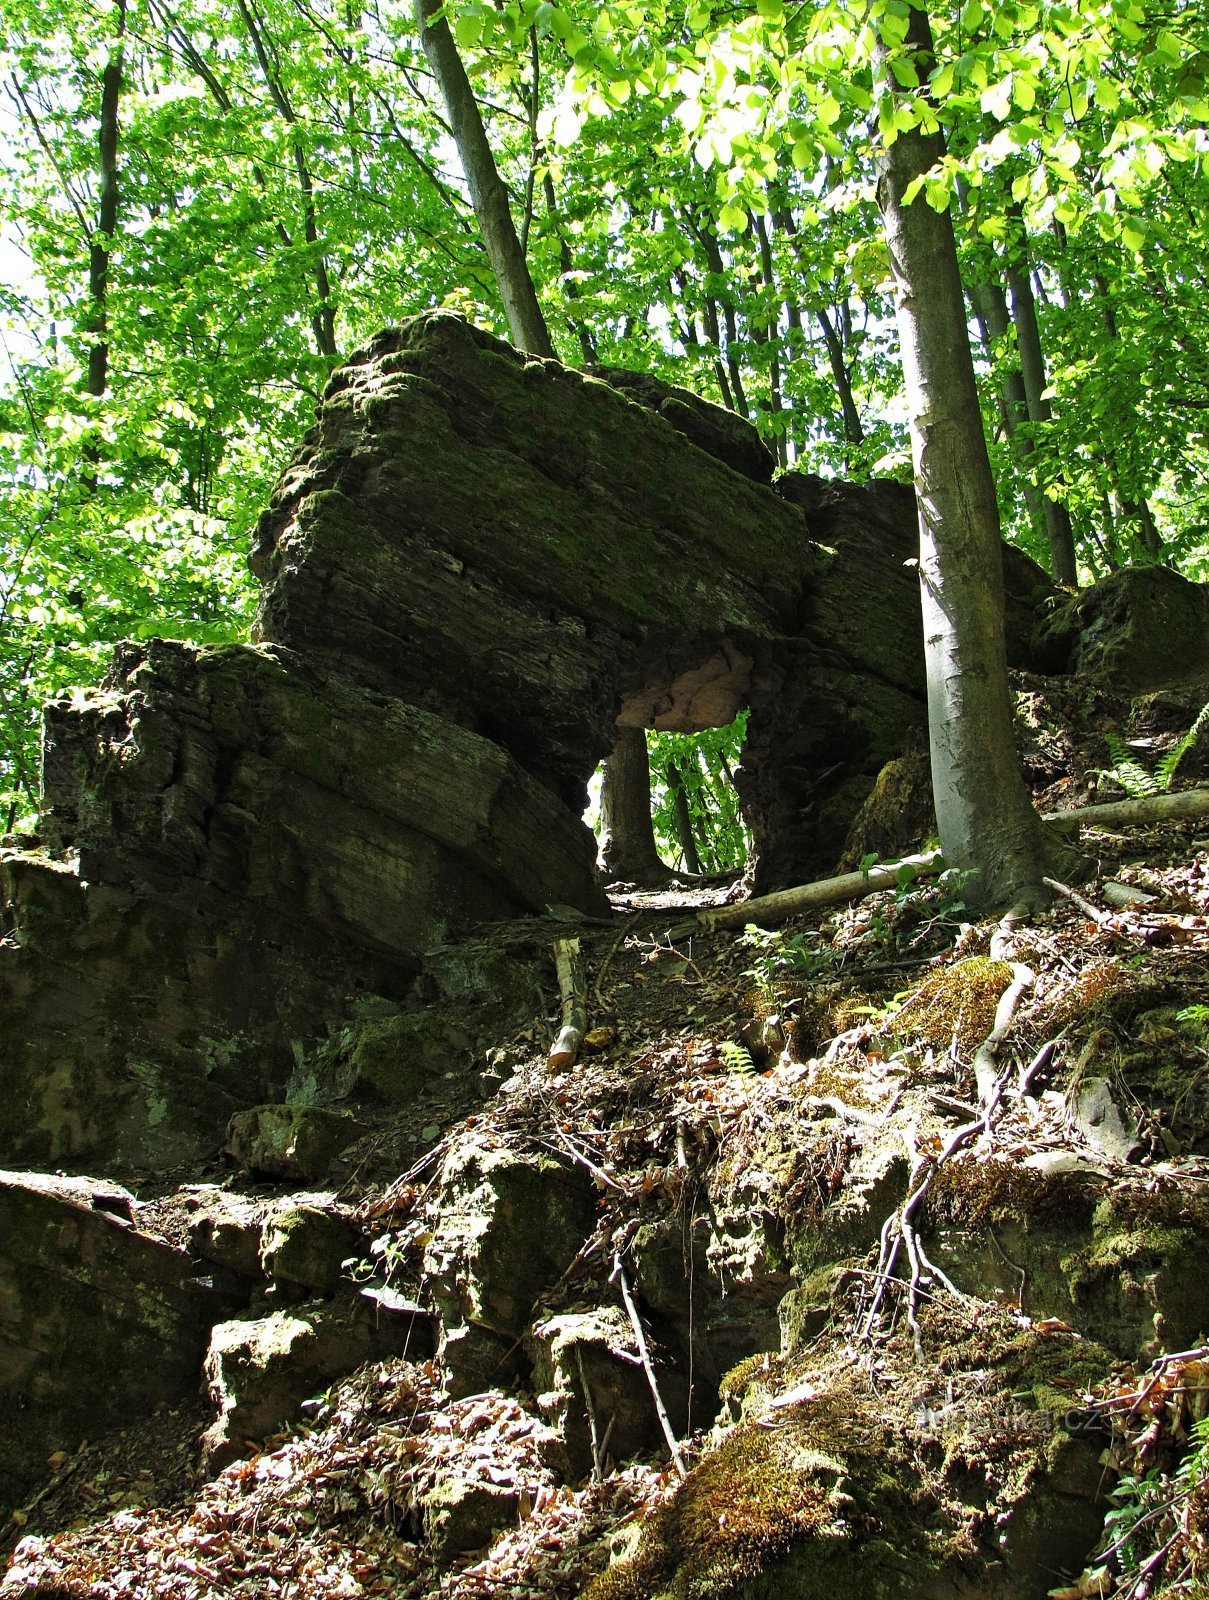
(478, 566)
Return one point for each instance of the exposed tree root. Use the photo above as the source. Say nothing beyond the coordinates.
(899, 1232)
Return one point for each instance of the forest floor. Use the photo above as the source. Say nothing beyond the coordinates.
(705, 1054)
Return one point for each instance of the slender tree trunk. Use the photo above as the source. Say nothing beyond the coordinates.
(1032, 371)
(854, 433)
(627, 837)
(717, 266)
(487, 193)
(710, 313)
(323, 318)
(684, 819)
(566, 261)
(1135, 512)
(101, 241)
(987, 825)
(771, 334)
(990, 307)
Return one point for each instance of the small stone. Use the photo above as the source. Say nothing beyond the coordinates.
(430, 1130)
(1099, 1120)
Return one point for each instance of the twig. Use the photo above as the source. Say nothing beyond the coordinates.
(577, 1154)
(1085, 906)
(660, 1409)
(593, 1430)
(598, 986)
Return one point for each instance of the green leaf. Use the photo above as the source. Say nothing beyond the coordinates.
(468, 29)
(996, 99)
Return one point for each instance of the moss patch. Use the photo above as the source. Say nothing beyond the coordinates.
(957, 1003)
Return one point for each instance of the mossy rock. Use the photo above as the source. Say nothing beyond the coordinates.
(394, 1059)
(897, 816)
(304, 1246)
(460, 1516)
(1142, 1277)
(280, 1141)
(816, 1502)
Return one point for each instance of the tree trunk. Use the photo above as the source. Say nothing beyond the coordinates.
(627, 837)
(323, 318)
(854, 433)
(487, 193)
(684, 819)
(1032, 369)
(987, 826)
(107, 213)
(989, 304)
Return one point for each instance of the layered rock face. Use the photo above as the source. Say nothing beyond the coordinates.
(479, 565)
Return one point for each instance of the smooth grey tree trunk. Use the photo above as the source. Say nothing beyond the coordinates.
(987, 825)
(487, 193)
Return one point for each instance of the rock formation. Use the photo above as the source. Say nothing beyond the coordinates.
(478, 566)
(250, 904)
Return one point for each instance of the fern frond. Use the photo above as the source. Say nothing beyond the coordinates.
(736, 1057)
(1165, 770)
(1127, 772)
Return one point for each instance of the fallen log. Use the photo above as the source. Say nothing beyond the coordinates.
(770, 908)
(824, 892)
(1149, 808)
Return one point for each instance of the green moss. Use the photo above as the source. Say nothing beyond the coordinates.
(974, 1190)
(745, 1505)
(823, 1504)
(957, 1003)
(396, 1057)
(754, 1368)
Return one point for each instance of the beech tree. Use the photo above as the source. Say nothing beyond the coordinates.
(988, 827)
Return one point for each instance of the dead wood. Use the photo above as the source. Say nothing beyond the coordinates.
(825, 892)
(1150, 808)
(573, 992)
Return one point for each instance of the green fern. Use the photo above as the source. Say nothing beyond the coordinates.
(736, 1057)
(1127, 772)
(1165, 770)
(1137, 780)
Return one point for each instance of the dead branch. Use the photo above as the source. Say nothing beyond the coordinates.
(1150, 808)
(1076, 899)
(770, 908)
(573, 992)
(593, 1430)
(660, 1408)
